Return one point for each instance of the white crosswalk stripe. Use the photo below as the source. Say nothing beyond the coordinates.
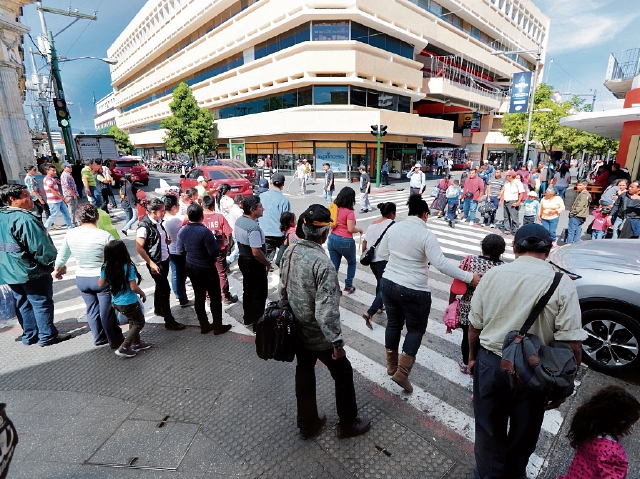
(438, 355)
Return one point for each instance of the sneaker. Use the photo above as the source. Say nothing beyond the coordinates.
(187, 304)
(230, 300)
(358, 427)
(492, 225)
(141, 346)
(125, 352)
(124, 232)
(349, 289)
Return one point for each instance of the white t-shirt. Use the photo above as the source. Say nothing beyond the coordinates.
(164, 251)
(373, 233)
(512, 190)
(172, 225)
(234, 213)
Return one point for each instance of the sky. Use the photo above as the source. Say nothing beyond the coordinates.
(583, 34)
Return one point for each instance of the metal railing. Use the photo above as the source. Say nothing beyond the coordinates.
(453, 70)
(623, 65)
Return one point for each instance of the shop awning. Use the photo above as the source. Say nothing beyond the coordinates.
(606, 123)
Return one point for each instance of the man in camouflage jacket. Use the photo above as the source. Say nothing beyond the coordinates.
(314, 295)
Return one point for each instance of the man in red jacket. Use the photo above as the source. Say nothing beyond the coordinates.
(472, 191)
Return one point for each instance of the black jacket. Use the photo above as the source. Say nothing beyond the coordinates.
(620, 206)
(152, 242)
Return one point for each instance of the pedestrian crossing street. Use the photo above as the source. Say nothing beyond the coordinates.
(440, 390)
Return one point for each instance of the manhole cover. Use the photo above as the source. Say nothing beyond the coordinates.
(146, 444)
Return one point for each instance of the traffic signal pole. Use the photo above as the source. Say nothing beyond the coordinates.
(378, 131)
(66, 128)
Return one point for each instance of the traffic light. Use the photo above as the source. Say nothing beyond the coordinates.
(374, 130)
(62, 113)
(383, 130)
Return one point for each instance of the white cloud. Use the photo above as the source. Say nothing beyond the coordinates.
(576, 25)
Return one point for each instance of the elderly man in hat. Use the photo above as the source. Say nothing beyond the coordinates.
(512, 197)
(203, 187)
(69, 190)
(314, 295)
(416, 180)
(507, 420)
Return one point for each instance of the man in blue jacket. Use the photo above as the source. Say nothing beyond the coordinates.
(27, 256)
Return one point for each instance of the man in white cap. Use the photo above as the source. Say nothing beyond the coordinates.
(416, 180)
(203, 187)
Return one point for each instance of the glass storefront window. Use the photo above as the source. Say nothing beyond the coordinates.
(330, 95)
(404, 104)
(358, 96)
(330, 31)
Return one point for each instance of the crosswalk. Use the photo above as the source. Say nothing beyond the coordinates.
(440, 390)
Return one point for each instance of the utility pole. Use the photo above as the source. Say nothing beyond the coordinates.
(55, 71)
(43, 102)
(378, 131)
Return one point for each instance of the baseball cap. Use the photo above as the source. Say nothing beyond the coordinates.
(65, 164)
(532, 193)
(277, 179)
(510, 173)
(201, 178)
(263, 185)
(417, 165)
(532, 233)
(315, 215)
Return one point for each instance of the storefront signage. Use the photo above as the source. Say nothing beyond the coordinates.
(238, 151)
(520, 89)
(336, 157)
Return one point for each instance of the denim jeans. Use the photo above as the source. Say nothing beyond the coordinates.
(339, 247)
(469, 207)
(56, 209)
(100, 315)
(131, 216)
(635, 226)
(134, 315)
(377, 268)
(342, 374)
(328, 196)
(405, 305)
(233, 255)
(543, 188)
(508, 421)
(574, 229)
(551, 226)
(452, 209)
(597, 234)
(97, 198)
(34, 301)
(561, 190)
(495, 201)
(616, 225)
(178, 276)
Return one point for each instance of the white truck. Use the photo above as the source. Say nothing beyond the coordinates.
(96, 146)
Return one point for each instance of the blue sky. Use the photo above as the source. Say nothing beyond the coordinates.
(583, 34)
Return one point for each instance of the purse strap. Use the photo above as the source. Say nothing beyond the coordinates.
(542, 302)
(380, 238)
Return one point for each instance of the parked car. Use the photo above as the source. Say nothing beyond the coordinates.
(129, 164)
(607, 278)
(217, 175)
(245, 170)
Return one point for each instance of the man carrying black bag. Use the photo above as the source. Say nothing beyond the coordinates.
(503, 451)
(314, 297)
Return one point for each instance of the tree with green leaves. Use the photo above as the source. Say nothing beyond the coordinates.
(122, 139)
(190, 129)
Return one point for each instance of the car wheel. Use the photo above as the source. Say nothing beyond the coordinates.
(613, 341)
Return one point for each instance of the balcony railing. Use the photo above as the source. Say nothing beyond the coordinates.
(454, 71)
(623, 65)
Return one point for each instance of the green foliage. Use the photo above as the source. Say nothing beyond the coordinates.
(190, 129)
(546, 131)
(122, 139)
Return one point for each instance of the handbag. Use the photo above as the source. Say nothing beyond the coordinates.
(450, 317)
(434, 192)
(546, 371)
(275, 330)
(460, 287)
(366, 257)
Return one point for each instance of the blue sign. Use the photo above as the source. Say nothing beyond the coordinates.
(520, 90)
(336, 157)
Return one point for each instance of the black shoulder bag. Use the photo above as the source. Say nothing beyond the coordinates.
(546, 371)
(275, 330)
(367, 255)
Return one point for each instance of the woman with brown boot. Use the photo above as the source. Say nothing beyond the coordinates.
(409, 247)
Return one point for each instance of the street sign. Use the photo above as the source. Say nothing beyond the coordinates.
(520, 89)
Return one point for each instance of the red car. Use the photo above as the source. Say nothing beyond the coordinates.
(129, 164)
(217, 175)
(240, 166)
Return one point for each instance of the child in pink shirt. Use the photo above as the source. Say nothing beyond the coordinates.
(595, 432)
(601, 221)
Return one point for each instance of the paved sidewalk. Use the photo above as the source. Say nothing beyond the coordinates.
(198, 406)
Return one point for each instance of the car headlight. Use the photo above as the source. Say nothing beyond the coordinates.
(558, 269)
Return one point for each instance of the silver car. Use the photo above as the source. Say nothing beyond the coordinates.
(607, 277)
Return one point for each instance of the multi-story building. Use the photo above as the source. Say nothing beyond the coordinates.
(106, 113)
(295, 78)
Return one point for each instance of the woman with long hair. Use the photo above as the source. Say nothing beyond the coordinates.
(561, 180)
(120, 275)
(410, 248)
(224, 201)
(86, 243)
(374, 233)
(341, 243)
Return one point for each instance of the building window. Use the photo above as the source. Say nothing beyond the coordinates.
(330, 31)
(330, 95)
(285, 40)
(373, 37)
(358, 96)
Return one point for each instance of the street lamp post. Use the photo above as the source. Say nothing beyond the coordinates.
(378, 131)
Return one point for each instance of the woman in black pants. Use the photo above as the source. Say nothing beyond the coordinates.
(493, 247)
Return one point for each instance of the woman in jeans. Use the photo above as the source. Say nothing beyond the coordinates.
(373, 234)
(128, 202)
(551, 206)
(562, 180)
(409, 247)
(341, 243)
(87, 243)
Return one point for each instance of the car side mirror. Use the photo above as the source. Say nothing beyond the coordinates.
(182, 176)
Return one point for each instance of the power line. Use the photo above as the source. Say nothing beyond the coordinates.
(555, 62)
